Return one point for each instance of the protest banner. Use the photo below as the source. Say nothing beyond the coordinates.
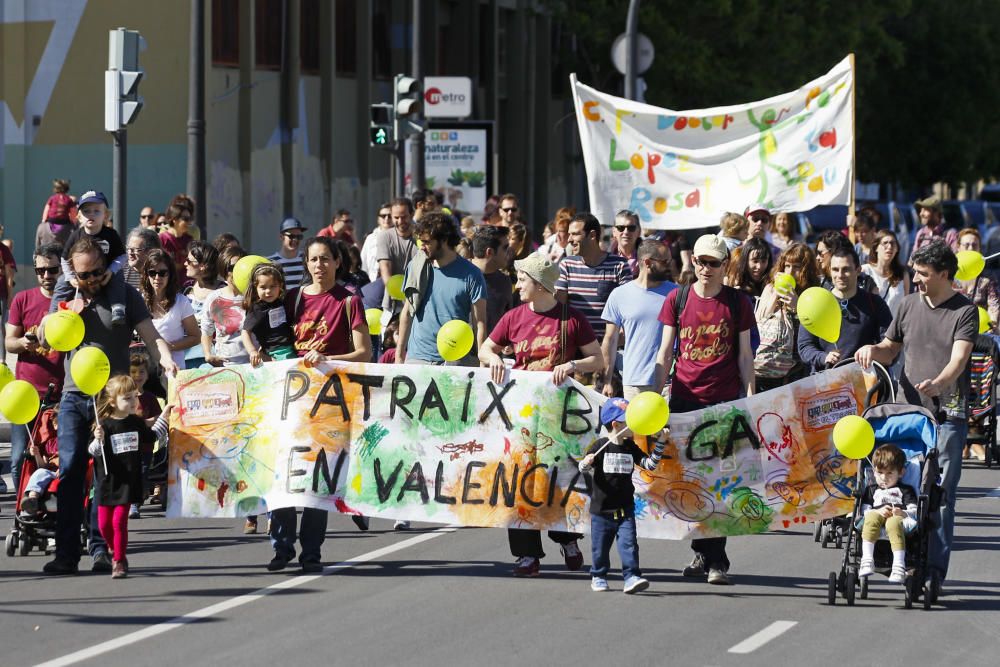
(446, 445)
(685, 169)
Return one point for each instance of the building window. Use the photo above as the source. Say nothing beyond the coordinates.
(381, 49)
(309, 31)
(345, 22)
(267, 33)
(226, 33)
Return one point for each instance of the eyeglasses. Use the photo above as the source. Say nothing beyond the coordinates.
(383, 215)
(50, 270)
(511, 209)
(711, 263)
(135, 251)
(294, 237)
(87, 275)
(146, 217)
(157, 273)
(626, 228)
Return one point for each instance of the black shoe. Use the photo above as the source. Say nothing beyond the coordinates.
(696, 568)
(277, 563)
(30, 505)
(102, 562)
(360, 521)
(311, 566)
(59, 566)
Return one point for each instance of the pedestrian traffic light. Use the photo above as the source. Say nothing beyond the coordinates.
(380, 127)
(122, 102)
(406, 98)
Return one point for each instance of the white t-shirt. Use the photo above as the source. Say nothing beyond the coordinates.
(171, 325)
(369, 250)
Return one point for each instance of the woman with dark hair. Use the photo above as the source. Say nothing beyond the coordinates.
(225, 240)
(354, 277)
(202, 267)
(750, 268)
(981, 290)
(175, 239)
(329, 325)
(171, 311)
(891, 278)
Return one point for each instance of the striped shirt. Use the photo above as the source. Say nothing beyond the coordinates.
(292, 267)
(590, 286)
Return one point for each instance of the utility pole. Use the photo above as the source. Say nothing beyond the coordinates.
(631, 48)
(417, 146)
(196, 116)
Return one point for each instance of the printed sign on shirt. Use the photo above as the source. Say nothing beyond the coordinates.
(276, 317)
(617, 463)
(123, 443)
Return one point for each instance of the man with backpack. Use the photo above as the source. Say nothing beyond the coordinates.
(711, 323)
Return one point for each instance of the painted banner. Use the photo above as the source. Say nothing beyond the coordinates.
(446, 445)
(685, 169)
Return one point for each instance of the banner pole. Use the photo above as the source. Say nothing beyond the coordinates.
(854, 135)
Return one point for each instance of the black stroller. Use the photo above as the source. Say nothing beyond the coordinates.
(914, 430)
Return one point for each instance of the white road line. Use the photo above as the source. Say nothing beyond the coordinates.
(754, 642)
(225, 605)
(995, 493)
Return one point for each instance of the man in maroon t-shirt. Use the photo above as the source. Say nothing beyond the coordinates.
(35, 364)
(715, 363)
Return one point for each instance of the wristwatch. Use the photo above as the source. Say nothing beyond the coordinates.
(572, 363)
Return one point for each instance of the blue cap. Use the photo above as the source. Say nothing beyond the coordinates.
(289, 224)
(613, 411)
(92, 197)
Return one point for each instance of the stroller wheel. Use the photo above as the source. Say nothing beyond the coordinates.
(849, 585)
(864, 588)
(824, 534)
(840, 540)
(831, 592)
(24, 546)
(11, 544)
(817, 531)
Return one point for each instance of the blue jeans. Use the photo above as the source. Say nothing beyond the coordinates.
(604, 528)
(311, 535)
(950, 442)
(76, 416)
(18, 446)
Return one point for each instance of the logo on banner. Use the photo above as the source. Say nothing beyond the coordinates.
(828, 408)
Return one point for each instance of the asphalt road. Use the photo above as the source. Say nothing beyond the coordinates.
(199, 594)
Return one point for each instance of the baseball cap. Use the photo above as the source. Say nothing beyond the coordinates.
(710, 245)
(933, 203)
(613, 410)
(541, 269)
(92, 197)
(289, 224)
(756, 208)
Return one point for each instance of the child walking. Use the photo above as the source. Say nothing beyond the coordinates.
(891, 505)
(612, 503)
(266, 321)
(118, 436)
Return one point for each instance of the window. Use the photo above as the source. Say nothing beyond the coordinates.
(267, 33)
(381, 52)
(226, 33)
(345, 22)
(309, 31)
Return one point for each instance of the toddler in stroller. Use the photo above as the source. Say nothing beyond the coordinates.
(891, 505)
(41, 466)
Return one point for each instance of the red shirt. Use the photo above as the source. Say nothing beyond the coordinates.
(535, 336)
(176, 247)
(27, 309)
(321, 323)
(708, 371)
(6, 259)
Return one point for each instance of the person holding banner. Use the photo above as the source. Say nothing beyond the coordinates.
(546, 336)
(329, 325)
(711, 325)
(76, 409)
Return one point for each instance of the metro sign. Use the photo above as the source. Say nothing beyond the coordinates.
(447, 97)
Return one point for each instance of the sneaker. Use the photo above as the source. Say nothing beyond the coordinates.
(118, 317)
(124, 562)
(360, 521)
(118, 570)
(598, 584)
(133, 511)
(696, 568)
(526, 566)
(571, 553)
(278, 563)
(897, 575)
(60, 567)
(867, 567)
(634, 584)
(102, 562)
(718, 577)
(401, 525)
(311, 566)
(250, 526)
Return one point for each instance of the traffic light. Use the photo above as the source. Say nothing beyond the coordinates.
(407, 104)
(122, 102)
(380, 127)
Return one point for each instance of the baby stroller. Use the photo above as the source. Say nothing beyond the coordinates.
(983, 364)
(914, 430)
(834, 530)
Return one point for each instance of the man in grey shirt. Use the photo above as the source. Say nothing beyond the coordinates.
(395, 247)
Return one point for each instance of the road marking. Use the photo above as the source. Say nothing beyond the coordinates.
(995, 493)
(754, 642)
(238, 601)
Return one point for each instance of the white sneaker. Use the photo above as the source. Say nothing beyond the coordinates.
(599, 584)
(867, 567)
(401, 525)
(635, 584)
(897, 575)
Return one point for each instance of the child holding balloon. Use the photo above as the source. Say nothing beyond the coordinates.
(266, 320)
(118, 434)
(612, 504)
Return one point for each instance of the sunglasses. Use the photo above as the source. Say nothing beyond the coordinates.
(626, 228)
(50, 270)
(294, 237)
(87, 275)
(711, 263)
(157, 273)
(383, 215)
(191, 262)
(146, 217)
(135, 251)
(231, 267)
(512, 209)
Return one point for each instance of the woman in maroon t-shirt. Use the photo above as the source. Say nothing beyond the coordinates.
(535, 330)
(329, 326)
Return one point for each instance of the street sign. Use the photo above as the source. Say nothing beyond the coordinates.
(644, 60)
(447, 97)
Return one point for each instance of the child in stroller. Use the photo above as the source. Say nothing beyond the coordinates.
(46, 458)
(891, 505)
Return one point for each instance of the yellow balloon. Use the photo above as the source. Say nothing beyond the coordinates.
(395, 287)
(647, 413)
(6, 375)
(853, 437)
(90, 370)
(63, 330)
(19, 402)
(454, 340)
(784, 282)
(244, 269)
(970, 265)
(374, 317)
(820, 314)
(985, 324)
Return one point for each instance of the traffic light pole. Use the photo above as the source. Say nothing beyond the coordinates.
(119, 159)
(417, 153)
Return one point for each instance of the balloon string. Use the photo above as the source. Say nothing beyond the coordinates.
(993, 256)
(104, 459)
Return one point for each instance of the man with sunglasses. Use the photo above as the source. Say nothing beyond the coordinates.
(711, 324)
(625, 239)
(369, 249)
(36, 364)
(759, 217)
(147, 218)
(289, 257)
(509, 210)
